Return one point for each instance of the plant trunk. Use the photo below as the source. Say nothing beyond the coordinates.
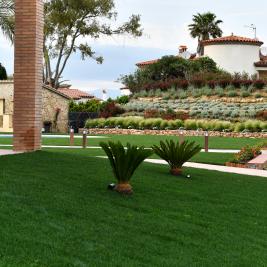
(176, 171)
(124, 188)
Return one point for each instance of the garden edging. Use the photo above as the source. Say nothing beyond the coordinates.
(172, 132)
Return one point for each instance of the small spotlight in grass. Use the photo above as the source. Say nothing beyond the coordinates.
(188, 176)
(111, 187)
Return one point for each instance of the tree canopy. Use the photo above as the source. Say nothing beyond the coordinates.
(204, 27)
(3, 74)
(166, 69)
(70, 27)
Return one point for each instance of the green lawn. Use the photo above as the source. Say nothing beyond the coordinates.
(147, 141)
(209, 158)
(56, 211)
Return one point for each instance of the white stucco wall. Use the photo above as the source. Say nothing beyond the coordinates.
(234, 57)
(126, 92)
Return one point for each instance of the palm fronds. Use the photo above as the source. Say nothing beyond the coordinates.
(7, 18)
(176, 154)
(124, 161)
(205, 26)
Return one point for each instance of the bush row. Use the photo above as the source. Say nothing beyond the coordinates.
(161, 124)
(198, 83)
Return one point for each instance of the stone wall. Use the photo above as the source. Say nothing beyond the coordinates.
(172, 132)
(7, 93)
(52, 103)
(55, 110)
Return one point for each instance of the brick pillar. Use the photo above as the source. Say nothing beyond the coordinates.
(28, 77)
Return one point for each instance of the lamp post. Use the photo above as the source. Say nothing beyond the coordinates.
(206, 141)
(181, 137)
(84, 138)
(71, 137)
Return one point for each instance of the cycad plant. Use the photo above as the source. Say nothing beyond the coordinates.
(124, 162)
(176, 153)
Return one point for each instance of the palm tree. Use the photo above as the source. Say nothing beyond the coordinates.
(7, 21)
(204, 27)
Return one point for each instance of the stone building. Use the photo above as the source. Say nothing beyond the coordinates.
(55, 108)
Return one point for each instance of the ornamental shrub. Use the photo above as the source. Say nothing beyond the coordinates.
(232, 94)
(219, 91)
(3, 74)
(247, 83)
(262, 115)
(212, 84)
(259, 84)
(197, 82)
(245, 93)
(246, 154)
(224, 83)
(110, 109)
(236, 83)
(190, 124)
(122, 100)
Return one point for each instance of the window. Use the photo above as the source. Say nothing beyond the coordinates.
(2, 107)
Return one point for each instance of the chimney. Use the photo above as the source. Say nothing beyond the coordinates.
(182, 49)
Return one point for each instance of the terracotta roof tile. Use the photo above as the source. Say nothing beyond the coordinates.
(150, 62)
(233, 39)
(261, 63)
(145, 63)
(74, 94)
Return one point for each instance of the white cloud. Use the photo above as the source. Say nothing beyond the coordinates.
(92, 85)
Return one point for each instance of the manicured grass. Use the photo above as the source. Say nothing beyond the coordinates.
(56, 211)
(149, 140)
(209, 158)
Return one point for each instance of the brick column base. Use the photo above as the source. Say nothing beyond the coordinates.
(28, 77)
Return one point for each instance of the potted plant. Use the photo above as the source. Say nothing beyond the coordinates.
(176, 153)
(124, 162)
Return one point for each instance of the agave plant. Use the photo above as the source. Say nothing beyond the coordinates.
(124, 162)
(176, 153)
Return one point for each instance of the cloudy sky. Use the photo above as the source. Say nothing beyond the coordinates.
(165, 28)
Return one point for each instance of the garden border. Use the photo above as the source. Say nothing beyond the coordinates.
(173, 132)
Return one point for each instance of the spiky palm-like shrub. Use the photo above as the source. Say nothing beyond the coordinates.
(124, 162)
(176, 153)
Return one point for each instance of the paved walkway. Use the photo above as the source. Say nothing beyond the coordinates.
(250, 172)
(5, 152)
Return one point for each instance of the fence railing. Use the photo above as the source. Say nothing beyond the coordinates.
(77, 120)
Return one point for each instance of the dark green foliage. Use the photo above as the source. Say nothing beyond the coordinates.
(168, 67)
(259, 84)
(169, 71)
(175, 153)
(3, 74)
(124, 161)
(204, 64)
(122, 100)
(89, 106)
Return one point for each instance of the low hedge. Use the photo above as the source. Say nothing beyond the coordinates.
(161, 124)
